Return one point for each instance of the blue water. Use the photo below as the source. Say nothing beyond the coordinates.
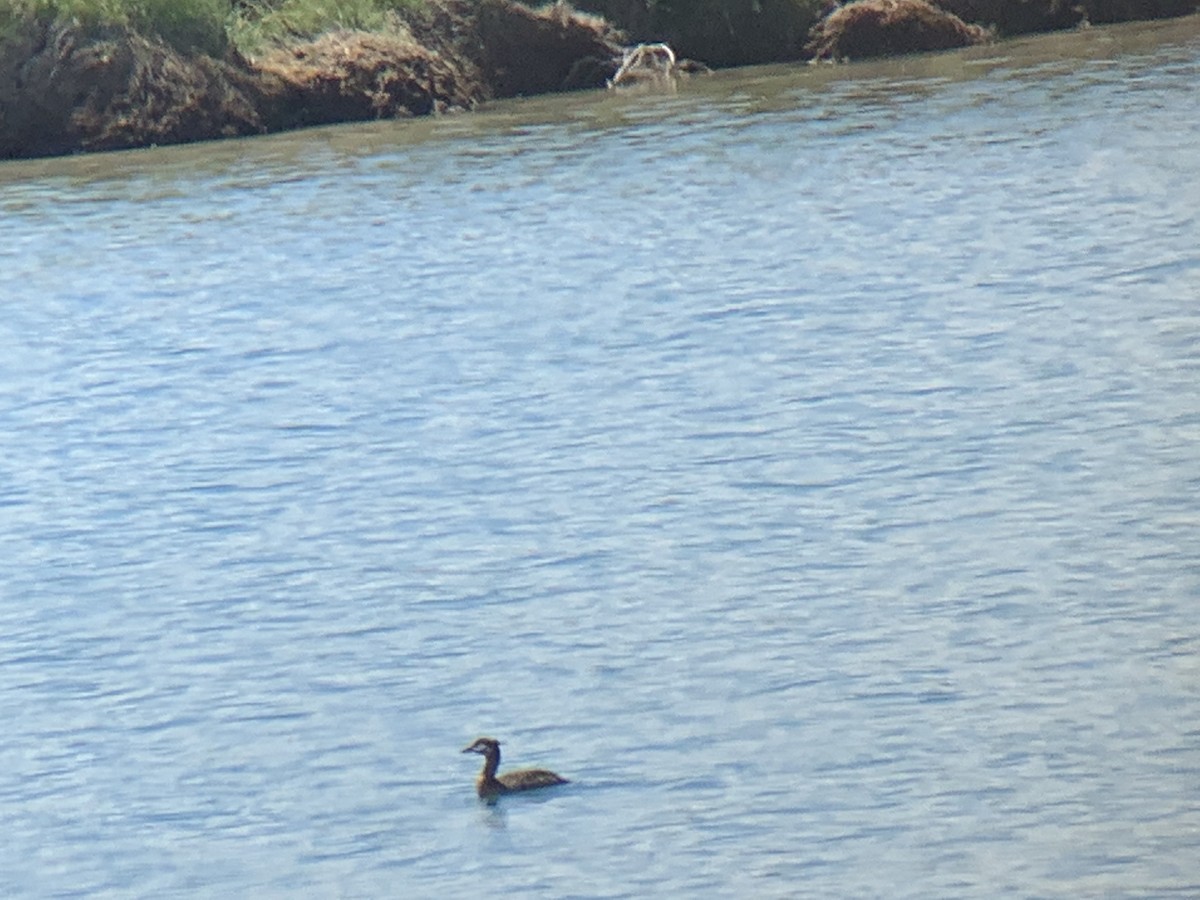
(804, 464)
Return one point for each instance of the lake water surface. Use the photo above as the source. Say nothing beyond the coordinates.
(806, 464)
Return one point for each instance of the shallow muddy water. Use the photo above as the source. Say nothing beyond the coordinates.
(804, 463)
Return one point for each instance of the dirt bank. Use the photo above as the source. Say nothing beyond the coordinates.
(1012, 17)
(64, 90)
(745, 32)
(869, 28)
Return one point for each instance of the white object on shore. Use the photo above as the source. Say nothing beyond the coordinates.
(645, 63)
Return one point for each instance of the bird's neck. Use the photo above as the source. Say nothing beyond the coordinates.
(491, 762)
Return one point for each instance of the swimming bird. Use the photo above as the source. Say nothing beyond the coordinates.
(488, 786)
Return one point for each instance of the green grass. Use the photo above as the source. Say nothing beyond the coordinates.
(263, 24)
(212, 26)
(185, 24)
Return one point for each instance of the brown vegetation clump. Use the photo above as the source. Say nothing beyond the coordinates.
(66, 88)
(353, 76)
(63, 89)
(526, 51)
(867, 28)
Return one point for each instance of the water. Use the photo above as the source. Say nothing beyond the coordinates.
(804, 464)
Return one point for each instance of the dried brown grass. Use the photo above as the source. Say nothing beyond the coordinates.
(869, 28)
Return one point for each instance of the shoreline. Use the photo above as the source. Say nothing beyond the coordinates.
(67, 88)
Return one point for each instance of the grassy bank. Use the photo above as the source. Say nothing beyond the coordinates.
(719, 32)
(216, 26)
(255, 24)
(87, 75)
(185, 24)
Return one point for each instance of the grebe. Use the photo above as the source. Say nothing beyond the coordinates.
(487, 785)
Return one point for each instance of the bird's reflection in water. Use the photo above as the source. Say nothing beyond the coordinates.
(493, 816)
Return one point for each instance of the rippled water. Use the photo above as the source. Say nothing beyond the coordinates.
(804, 464)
